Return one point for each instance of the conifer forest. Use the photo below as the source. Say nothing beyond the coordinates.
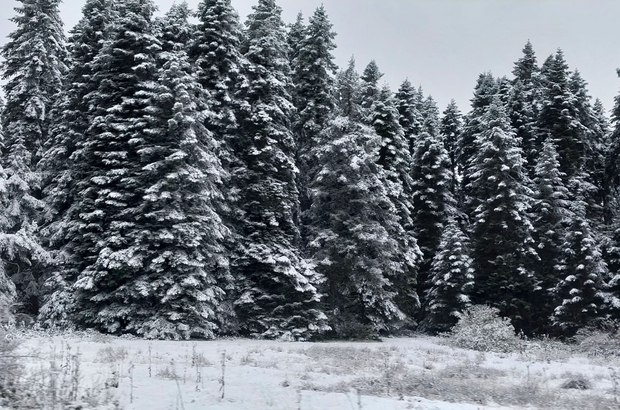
(196, 176)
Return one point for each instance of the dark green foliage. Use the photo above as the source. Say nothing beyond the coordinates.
(551, 213)
(279, 296)
(451, 128)
(502, 244)
(579, 296)
(451, 280)
(33, 67)
(409, 103)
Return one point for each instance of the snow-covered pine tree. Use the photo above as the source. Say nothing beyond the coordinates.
(432, 198)
(409, 102)
(220, 65)
(70, 122)
(523, 105)
(550, 215)
(33, 68)
(396, 161)
(558, 119)
(313, 82)
(370, 88)
(484, 92)
(502, 245)
(594, 146)
(103, 219)
(579, 292)
(451, 280)
(7, 287)
(279, 296)
(178, 293)
(296, 34)
(174, 31)
(355, 224)
(220, 69)
(451, 127)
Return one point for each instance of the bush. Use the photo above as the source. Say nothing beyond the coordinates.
(597, 342)
(480, 328)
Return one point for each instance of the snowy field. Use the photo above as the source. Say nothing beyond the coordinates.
(397, 373)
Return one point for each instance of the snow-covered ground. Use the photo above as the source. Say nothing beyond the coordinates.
(398, 373)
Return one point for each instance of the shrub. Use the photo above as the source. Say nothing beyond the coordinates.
(480, 328)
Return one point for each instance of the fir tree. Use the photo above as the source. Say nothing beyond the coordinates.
(409, 103)
(102, 222)
(451, 128)
(279, 289)
(179, 291)
(396, 162)
(524, 105)
(370, 89)
(485, 91)
(558, 119)
(220, 66)
(551, 212)
(432, 197)
(33, 68)
(579, 291)
(296, 35)
(502, 243)
(451, 281)
(355, 227)
(313, 75)
(70, 121)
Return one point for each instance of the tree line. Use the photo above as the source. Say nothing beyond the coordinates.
(175, 179)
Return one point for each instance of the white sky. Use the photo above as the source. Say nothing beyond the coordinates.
(444, 44)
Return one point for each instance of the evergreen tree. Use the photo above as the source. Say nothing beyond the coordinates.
(396, 162)
(579, 291)
(467, 148)
(370, 89)
(70, 121)
(558, 119)
(551, 213)
(215, 52)
(502, 243)
(33, 68)
(451, 281)
(524, 105)
(432, 197)
(451, 128)
(279, 289)
(313, 75)
(179, 291)
(102, 222)
(296, 35)
(409, 103)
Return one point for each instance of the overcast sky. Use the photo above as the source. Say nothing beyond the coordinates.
(444, 44)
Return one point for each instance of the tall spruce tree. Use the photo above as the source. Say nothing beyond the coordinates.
(579, 292)
(558, 119)
(102, 221)
(484, 92)
(355, 224)
(313, 77)
(370, 88)
(451, 127)
(451, 281)
(551, 213)
(396, 162)
(524, 105)
(432, 196)
(70, 121)
(179, 291)
(502, 245)
(409, 102)
(279, 289)
(33, 68)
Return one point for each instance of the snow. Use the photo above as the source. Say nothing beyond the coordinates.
(287, 375)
